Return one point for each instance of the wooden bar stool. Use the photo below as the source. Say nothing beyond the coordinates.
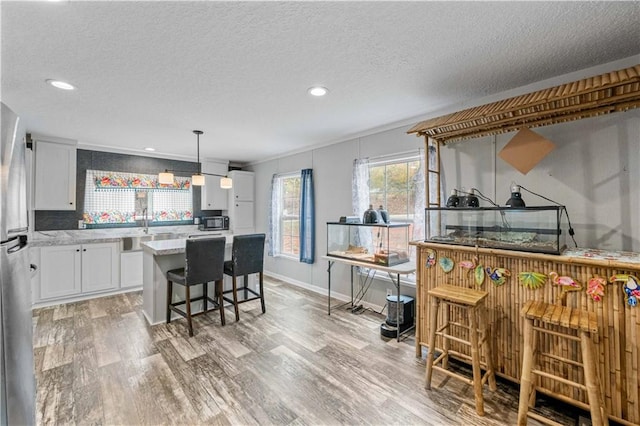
(472, 302)
(565, 318)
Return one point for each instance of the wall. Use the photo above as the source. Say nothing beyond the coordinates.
(332, 168)
(593, 171)
(97, 160)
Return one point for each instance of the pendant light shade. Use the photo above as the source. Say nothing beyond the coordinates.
(165, 178)
(226, 183)
(197, 180)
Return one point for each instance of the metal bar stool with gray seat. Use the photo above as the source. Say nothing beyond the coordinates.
(204, 263)
(247, 258)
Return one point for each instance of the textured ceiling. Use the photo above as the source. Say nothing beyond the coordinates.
(149, 72)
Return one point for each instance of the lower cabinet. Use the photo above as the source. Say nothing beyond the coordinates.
(60, 271)
(131, 269)
(77, 269)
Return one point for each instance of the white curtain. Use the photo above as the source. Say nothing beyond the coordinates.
(360, 186)
(273, 239)
(420, 202)
(360, 198)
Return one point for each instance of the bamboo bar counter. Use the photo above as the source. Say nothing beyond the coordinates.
(617, 345)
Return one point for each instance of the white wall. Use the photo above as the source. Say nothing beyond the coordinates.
(594, 171)
(332, 166)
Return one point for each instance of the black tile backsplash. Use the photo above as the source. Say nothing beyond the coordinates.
(49, 220)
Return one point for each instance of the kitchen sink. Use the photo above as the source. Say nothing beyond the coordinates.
(133, 243)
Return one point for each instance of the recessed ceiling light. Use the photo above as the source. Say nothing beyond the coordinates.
(60, 84)
(318, 91)
(149, 149)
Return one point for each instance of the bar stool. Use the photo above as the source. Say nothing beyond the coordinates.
(247, 257)
(565, 318)
(472, 302)
(204, 263)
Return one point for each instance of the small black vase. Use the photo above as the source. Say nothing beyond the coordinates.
(453, 200)
(371, 215)
(384, 215)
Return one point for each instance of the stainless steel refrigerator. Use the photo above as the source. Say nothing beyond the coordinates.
(17, 389)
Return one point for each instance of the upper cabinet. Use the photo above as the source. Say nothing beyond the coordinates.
(243, 186)
(55, 174)
(241, 206)
(214, 197)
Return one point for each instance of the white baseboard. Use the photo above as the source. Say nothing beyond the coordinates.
(322, 291)
(80, 298)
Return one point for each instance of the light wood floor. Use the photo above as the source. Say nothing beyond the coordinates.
(98, 362)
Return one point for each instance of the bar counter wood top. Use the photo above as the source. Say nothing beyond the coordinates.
(617, 344)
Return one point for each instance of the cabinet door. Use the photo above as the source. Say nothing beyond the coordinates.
(242, 185)
(242, 215)
(100, 267)
(55, 176)
(131, 269)
(214, 197)
(60, 270)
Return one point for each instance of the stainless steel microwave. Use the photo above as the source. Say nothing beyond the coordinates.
(214, 223)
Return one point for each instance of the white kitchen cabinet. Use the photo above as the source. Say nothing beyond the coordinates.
(213, 197)
(55, 175)
(73, 270)
(100, 267)
(60, 271)
(242, 217)
(131, 269)
(241, 204)
(243, 186)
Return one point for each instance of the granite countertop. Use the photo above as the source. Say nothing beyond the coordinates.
(176, 246)
(107, 235)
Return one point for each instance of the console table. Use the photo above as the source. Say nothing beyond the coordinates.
(394, 273)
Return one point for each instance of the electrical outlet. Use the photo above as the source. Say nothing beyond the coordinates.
(389, 292)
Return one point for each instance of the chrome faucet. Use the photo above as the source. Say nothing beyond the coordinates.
(145, 221)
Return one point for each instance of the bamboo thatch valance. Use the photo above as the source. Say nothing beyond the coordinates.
(598, 95)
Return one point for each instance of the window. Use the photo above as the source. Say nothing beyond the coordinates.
(122, 198)
(290, 216)
(397, 184)
(286, 214)
(392, 185)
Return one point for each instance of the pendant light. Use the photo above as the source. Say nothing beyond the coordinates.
(226, 183)
(197, 179)
(165, 178)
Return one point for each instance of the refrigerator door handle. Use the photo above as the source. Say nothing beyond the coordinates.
(22, 243)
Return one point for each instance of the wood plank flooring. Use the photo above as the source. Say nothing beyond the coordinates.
(98, 362)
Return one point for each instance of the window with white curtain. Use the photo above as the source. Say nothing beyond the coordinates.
(397, 184)
(110, 198)
(286, 215)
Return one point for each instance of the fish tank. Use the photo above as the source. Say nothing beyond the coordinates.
(380, 244)
(531, 229)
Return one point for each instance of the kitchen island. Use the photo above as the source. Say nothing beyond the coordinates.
(617, 343)
(158, 258)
